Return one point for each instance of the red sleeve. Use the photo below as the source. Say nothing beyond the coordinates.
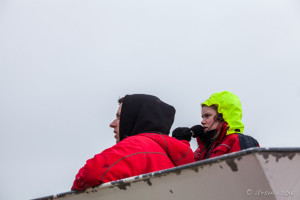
(185, 142)
(200, 151)
(91, 174)
(110, 165)
(229, 144)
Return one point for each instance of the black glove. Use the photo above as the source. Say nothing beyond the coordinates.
(197, 130)
(182, 133)
(206, 137)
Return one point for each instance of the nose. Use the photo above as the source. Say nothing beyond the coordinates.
(113, 124)
(202, 121)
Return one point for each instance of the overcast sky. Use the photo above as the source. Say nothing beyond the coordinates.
(64, 64)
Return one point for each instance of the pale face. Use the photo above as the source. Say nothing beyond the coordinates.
(116, 124)
(209, 116)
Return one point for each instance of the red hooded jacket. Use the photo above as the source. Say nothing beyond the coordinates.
(135, 155)
(224, 144)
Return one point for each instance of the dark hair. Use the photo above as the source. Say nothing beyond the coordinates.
(219, 117)
(215, 107)
(120, 100)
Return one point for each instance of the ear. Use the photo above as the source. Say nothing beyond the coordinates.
(220, 118)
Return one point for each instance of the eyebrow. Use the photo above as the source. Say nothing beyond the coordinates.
(206, 113)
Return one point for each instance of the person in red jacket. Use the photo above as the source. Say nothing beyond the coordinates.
(221, 130)
(141, 129)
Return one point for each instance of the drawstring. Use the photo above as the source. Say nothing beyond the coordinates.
(210, 147)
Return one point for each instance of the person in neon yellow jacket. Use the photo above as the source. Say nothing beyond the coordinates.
(222, 129)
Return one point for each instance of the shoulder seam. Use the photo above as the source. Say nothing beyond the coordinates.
(125, 158)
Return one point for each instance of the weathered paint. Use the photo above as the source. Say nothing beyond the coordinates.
(195, 169)
(123, 186)
(257, 173)
(232, 165)
(278, 156)
(148, 181)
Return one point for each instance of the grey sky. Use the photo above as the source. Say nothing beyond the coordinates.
(64, 64)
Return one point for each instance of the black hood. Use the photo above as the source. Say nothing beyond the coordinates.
(143, 113)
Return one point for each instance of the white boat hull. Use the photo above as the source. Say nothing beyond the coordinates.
(257, 173)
